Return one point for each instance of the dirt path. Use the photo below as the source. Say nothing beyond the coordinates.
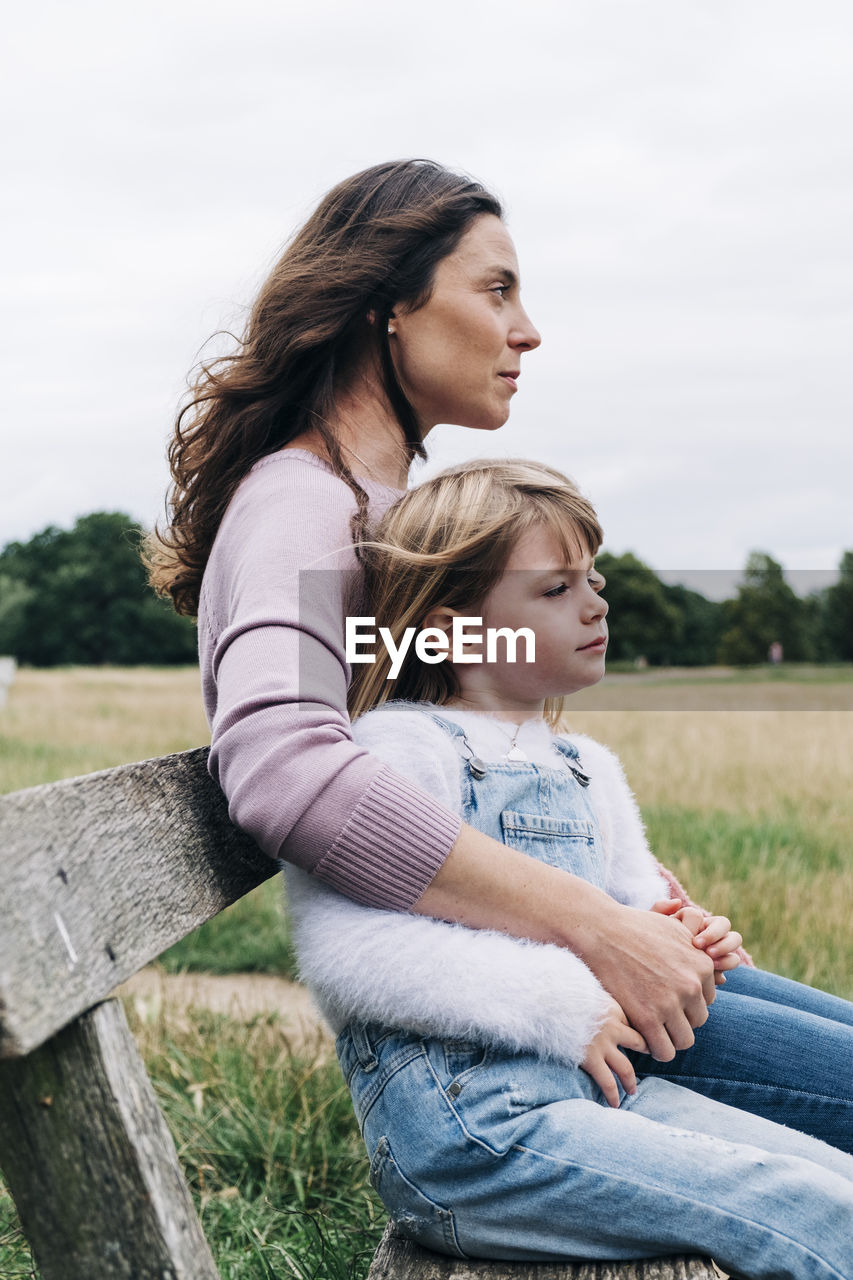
(239, 995)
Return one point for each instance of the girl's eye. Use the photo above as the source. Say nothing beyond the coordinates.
(557, 591)
(500, 289)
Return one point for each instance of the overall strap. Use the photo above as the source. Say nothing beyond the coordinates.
(476, 767)
(571, 757)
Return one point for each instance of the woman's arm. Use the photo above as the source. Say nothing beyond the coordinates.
(646, 961)
(277, 589)
(441, 979)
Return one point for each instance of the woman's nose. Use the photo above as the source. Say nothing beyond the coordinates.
(525, 336)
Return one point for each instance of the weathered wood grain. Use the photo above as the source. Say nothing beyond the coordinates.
(399, 1259)
(100, 874)
(90, 1163)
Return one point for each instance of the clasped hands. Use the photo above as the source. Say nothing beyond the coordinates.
(604, 1059)
(712, 934)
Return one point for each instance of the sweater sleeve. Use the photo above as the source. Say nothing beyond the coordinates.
(281, 578)
(399, 734)
(441, 979)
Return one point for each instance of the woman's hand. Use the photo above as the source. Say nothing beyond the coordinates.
(646, 962)
(712, 934)
(604, 1060)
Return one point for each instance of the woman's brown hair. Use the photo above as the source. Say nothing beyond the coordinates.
(446, 543)
(372, 244)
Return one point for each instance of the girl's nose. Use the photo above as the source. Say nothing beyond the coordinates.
(597, 606)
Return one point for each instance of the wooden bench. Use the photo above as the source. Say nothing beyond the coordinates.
(100, 875)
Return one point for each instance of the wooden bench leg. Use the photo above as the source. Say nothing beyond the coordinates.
(399, 1259)
(90, 1162)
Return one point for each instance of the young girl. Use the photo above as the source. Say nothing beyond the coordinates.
(494, 1079)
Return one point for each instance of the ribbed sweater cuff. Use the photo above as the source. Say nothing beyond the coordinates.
(392, 846)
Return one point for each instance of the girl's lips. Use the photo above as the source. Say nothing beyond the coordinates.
(599, 643)
(511, 378)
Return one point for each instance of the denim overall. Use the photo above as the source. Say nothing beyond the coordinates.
(483, 1152)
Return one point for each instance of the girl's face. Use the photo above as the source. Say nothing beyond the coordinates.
(561, 603)
(458, 357)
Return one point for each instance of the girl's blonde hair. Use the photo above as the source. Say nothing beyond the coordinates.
(446, 543)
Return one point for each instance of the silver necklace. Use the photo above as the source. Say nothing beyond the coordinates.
(515, 751)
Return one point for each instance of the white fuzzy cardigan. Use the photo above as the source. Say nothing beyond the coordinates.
(369, 965)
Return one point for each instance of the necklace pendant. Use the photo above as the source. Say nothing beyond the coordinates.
(516, 753)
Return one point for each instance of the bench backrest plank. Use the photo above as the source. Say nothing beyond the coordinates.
(101, 874)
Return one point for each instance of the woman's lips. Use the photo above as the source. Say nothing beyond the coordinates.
(511, 378)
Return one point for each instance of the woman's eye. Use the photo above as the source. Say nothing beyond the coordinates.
(500, 289)
(557, 591)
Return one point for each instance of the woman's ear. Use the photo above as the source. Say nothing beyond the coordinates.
(371, 320)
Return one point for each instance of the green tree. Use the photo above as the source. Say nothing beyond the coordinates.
(644, 622)
(765, 610)
(837, 629)
(80, 596)
(701, 627)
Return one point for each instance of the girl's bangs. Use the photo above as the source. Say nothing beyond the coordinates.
(573, 524)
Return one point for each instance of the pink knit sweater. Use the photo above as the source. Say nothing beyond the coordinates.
(281, 578)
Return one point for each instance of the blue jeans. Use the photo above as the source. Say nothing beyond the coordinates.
(480, 1153)
(777, 1049)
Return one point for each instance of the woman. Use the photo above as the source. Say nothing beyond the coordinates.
(396, 307)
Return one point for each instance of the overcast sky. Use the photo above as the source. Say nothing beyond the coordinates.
(679, 181)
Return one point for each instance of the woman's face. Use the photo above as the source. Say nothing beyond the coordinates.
(458, 357)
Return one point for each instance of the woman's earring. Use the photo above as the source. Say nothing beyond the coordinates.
(390, 330)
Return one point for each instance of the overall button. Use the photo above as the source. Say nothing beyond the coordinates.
(454, 1089)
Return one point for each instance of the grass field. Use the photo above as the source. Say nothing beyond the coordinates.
(750, 805)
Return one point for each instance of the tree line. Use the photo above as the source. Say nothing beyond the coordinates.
(670, 625)
(80, 596)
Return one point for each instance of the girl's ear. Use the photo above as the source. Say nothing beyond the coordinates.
(441, 617)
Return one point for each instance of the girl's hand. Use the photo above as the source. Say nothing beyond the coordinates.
(712, 934)
(604, 1060)
(720, 941)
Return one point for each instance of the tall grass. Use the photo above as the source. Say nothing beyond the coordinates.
(269, 1146)
(753, 811)
(68, 721)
